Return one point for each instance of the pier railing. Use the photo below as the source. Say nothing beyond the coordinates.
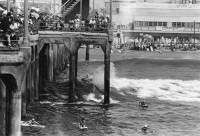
(85, 27)
(9, 42)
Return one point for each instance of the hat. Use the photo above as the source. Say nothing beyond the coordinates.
(145, 126)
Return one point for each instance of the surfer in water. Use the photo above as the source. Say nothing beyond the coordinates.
(145, 129)
(143, 104)
(81, 124)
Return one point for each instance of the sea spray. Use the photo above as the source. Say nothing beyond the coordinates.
(98, 75)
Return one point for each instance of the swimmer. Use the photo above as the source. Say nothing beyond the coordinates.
(143, 104)
(81, 124)
(144, 129)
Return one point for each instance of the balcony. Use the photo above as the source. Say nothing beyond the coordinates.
(9, 43)
(81, 27)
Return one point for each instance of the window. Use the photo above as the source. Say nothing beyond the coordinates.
(187, 24)
(183, 24)
(173, 24)
(164, 23)
(178, 24)
(140, 23)
(136, 23)
(197, 24)
(150, 23)
(155, 23)
(117, 10)
(146, 23)
(192, 24)
(160, 24)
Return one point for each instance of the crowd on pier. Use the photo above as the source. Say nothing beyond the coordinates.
(98, 23)
(12, 24)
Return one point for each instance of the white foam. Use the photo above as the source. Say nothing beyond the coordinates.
(98, 75)
(91, 97)
(164, 89)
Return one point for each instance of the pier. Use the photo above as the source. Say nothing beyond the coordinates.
(23, 71)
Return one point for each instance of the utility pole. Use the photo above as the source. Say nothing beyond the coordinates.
(54, 7)
(111, 13)
(194, 34)
(8, 5)
(81, 5)
(25, 40)
(93, 4)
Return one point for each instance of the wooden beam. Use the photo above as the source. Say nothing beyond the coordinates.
(72, 79)
(87, 52)
(107, 74)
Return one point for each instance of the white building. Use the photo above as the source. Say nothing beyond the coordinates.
(157, 19)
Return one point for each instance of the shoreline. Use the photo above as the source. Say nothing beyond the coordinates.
(97, 54)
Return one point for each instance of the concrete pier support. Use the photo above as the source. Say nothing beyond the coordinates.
(50, 62)
(36, 73)
(32, 76)
(87, 55)
(76, 63)
(2, 108)
(13, 67)
(107, 74)
(72, 78)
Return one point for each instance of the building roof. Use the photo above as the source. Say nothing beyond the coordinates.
(166, 19)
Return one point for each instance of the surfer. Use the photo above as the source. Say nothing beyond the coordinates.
(144, 129)
(143, 104)
(81, 124)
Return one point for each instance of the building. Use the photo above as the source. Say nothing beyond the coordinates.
(172, 21)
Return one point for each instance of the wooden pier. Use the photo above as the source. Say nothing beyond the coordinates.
(23, 71)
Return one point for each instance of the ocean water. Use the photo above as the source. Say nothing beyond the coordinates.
(170, 87)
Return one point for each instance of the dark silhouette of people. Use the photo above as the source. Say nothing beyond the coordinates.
(5, 25)
(143, 104)
(145, 129)
(81, 124)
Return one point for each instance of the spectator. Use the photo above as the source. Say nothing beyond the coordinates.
(61, 23)
(71, 24)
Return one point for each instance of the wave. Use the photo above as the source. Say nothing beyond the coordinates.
(92, 97)
(162, 89)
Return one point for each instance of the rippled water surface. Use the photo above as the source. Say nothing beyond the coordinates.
(171, 87)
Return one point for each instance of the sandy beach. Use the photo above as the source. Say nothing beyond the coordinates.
(96, 54)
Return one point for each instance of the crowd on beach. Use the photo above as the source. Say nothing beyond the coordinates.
(146, 43)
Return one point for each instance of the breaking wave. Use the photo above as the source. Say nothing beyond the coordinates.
(162, 89)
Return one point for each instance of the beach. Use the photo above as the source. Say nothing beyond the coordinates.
(96, 54)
